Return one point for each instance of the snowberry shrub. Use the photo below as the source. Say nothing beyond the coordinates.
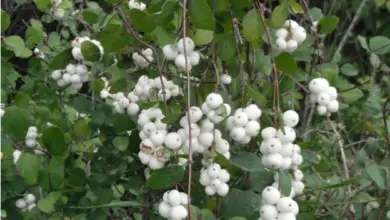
(193, 110)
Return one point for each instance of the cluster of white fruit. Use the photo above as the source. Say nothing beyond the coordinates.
(244, 124)
(144, 59)
(26, 203)
(203, 133)
(371, 206)
(274, 206)
(75, 75)
(153, 134)
(290, 36)
(215, 180)
(76, 44)
(177, 53)
(31, 140)
(277, 147)
(137, 5)
(174, 205)
(323, 95)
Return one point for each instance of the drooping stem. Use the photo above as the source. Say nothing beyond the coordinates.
(188, 108)
(276, 101)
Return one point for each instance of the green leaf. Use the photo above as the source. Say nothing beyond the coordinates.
(5, 21)
(296, 7)
(285, 63)
(15, 43)
(259, 180)
(202, 37)
(375, 173)
(227, 48)
(43, 5)
(352, 95)
(54, 141)
(375, 61)
(174, 114)
(121, 142)
(34, 35)
(98, 85)
(82, 104)
(252, 26)
(328, 24)
(22, 99)
(15, 122)
(82, 129)
(61, 60)
(263, 62)
(279, 16)
(379, 45)
(240, 204)
(285, 183)
(90, 51)
(77, 177)
(29, 165)
(90, 17)
(140, 21)
(113, 38)
(349, 70)
(165, 177)
(57, 172)
(253, 93)
(363, 42)
(200, 14)
(316, 13)
(163, 37)
(113, 204)
(247, 161)
(46, 205)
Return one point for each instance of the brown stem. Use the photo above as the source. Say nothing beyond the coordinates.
(236, 37)
(276, 101)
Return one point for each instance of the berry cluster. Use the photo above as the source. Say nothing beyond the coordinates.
(371, 206)
(290, 36)
(26, 203)
(144, 59)
(31, 140)
(274, 206)
(153, 133)
(76, 44)
(244, 124)
(215, 180)
(176, 52)
(75, 75)
(277, 147)
(214, 108)
(323, 95)
(174, 205)
(137, 5)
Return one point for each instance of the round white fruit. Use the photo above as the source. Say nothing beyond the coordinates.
(188, 43)
(290, 118)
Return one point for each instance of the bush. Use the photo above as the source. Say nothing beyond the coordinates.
(195, 110)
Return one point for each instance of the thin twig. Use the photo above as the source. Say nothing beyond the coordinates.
(343, 157)
(276, 105)
(351, 26)
(188, 109)
(236, 39)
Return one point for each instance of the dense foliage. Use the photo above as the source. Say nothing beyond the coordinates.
(198, 109)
